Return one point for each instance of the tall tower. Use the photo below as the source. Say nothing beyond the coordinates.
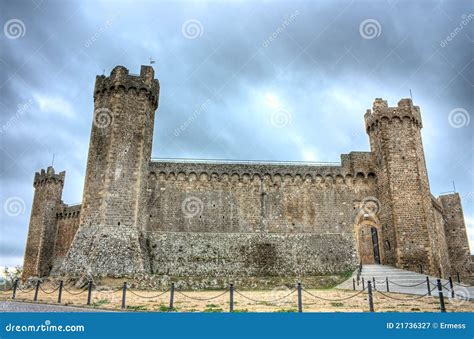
(109, 239)
(43, 224)
(403, 187)
(456, 235)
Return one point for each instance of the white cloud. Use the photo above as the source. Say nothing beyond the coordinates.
(54, 105)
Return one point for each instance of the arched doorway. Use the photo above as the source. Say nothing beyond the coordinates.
(369, 248)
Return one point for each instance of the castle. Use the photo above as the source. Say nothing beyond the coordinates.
(219, 218)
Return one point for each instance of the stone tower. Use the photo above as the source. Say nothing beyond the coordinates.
(408, 234)
(43, 226)
(109, 240)
(456, 235)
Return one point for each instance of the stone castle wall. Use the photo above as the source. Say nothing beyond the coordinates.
(68, 223)
(186, 218)
(456, 235)
(438, 239)
(217, 218)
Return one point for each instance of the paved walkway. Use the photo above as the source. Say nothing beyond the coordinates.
(402, 281)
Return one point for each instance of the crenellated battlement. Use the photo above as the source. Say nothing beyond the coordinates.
(354, 166)
(69, 211)
(381, 111)
(121, 80)
(48, 176)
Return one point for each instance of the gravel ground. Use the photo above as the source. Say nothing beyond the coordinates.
(14, 306)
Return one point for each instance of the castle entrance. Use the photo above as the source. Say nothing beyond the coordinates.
(369, 245)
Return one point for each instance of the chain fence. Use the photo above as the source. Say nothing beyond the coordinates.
(312, 298)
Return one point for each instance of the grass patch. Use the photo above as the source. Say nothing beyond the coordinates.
(287, 310)
(100, 302)
(136, 308)
(337, 304)
(164, 308)
(242, 310)
(210, 308)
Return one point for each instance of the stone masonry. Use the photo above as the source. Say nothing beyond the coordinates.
(241, 219)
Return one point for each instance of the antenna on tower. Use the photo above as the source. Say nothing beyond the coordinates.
(454, 187)
(411, 96)
(103, 72)
(52, 161)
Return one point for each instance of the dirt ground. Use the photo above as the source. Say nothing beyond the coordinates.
(277, 300)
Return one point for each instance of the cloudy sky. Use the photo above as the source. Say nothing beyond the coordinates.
(282, 80)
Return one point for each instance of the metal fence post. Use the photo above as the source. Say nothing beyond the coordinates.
(386, 283)
(171, 296)
(451, 286)
(373, 279)
(60, 293)
(124, 295)
(231, 298)
(428, 285)
(459, 278)
(89, 292)
(300, 299)
(353, 284)
(371, 301)
(363, 285)
(442, 306)
(36, 290)
(15, 286)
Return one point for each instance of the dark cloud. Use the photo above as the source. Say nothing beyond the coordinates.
(307, 61)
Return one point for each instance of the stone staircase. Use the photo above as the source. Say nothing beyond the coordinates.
(407, 282)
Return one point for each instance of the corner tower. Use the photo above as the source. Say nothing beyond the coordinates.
(403, 188)
(109, 239)
(43, 223)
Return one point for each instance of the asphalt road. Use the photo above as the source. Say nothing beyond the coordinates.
(14, 306)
